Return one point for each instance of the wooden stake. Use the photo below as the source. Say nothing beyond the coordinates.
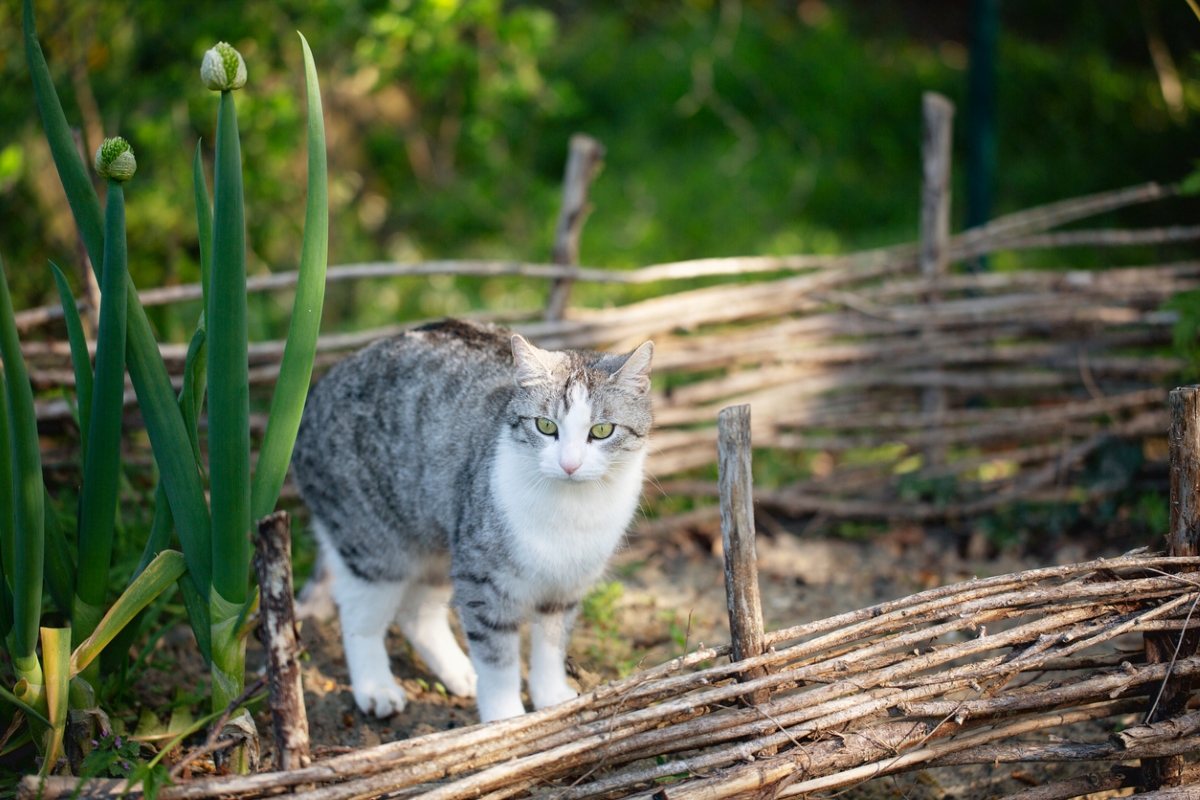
(1183, 538)
(583, 163)
(737, 534)
(273, 564)
(938, 115)
(937, 112)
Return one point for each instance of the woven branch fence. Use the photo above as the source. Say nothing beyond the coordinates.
(952, 676)
(946, 677)
(841, 354)
(837, 354)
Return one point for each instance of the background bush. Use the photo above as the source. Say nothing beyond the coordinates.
(731, 128)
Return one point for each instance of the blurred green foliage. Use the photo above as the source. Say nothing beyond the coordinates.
(731, 127)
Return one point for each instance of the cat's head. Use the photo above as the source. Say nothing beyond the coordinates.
(580, 414)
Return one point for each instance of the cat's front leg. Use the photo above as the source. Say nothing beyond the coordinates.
(549, 632)
(491, 621)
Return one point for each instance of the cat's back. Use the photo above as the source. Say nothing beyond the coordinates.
(426, 357)
(454, 363)
(403, 417)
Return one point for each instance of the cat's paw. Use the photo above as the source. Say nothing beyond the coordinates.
(462, 680)
(500, 706)
(550, 695)
(380, 698)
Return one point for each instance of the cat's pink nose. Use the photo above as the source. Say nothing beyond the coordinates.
(569, 467)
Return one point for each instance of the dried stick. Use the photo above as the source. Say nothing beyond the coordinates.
(1104, 238)
(273, 566)
(937, 114)
(737, 534)
(212, 743)
(585, 158)
(1117, 778)
(1059, 213)
(1021, 753)
(1183, 539)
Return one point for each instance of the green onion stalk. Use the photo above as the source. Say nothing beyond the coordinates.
(115, 163)
(178, 469)
(28, 508)
(224, 70)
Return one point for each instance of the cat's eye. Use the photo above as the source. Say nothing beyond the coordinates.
(546, 426)
(602, 431)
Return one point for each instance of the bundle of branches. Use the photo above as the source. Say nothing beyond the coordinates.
(841, 355)
(949, 676)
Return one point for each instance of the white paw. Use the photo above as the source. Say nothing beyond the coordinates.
(462, 680)
(500, 706)
(379, 698)
(551, 695)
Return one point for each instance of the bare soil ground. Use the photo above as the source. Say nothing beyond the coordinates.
(665, 597)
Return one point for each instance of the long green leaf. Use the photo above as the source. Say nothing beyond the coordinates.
(59, 566)
(191, 398)
(8, 540)
(98, 503)
(228, 665)
(28, 508)
(204, 221)
(160, 531)
(162, 572)
(71, 171)
(81, 360)
(172, 446)
(29, 710)
(160, 536)
(228, 368)
(164, 423)
(198, 616)
(6, 611)
(56, 656)
(295, 371)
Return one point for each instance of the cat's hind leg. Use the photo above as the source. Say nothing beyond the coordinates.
(549, 632)
(366, 609)
(423, 616)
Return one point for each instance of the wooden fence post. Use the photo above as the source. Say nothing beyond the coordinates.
(937, 114)
(737, 535)
(1183, 539)
(584, 160)
(273, 564)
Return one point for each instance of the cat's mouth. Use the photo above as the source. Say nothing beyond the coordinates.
(576, 477)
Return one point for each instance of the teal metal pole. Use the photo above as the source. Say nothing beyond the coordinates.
(981, 115)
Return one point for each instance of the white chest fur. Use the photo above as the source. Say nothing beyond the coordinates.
(563, 532)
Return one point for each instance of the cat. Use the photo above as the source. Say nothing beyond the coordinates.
(458, 462)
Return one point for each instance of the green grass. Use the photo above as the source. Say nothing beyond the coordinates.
(827, 159)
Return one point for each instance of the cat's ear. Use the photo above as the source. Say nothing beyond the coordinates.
(635, 372)
(533, 364)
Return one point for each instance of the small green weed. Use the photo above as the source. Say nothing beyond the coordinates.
(112, 756)
(600, 606)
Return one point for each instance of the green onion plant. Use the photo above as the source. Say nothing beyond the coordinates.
(212, 568)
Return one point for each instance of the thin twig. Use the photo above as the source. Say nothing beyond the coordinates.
(1174, 656)
(211, 743)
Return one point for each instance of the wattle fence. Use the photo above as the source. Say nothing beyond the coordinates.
(914, 391)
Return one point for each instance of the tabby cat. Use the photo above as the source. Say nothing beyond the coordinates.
(457, 463)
